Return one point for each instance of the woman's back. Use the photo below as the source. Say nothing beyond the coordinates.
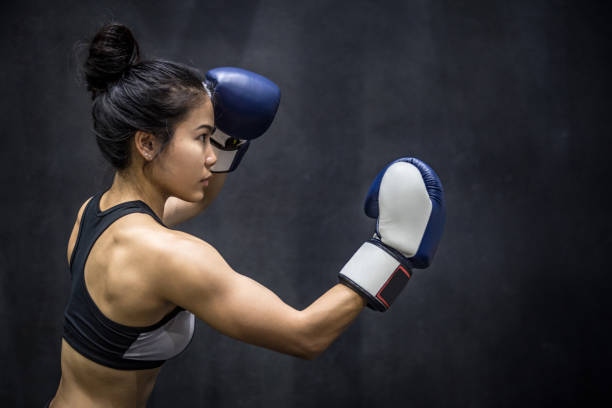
(117, 276)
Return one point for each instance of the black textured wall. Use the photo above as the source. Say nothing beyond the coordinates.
(507, 100)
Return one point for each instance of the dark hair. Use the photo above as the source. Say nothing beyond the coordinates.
(129, 94)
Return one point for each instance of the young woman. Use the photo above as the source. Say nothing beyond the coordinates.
(138, 285)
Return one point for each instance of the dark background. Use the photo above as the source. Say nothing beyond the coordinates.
(507, 100)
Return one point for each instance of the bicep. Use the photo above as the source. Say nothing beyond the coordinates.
(233, 304)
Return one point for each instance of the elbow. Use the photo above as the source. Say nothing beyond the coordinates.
(309, 357)
(309, 352)
(310, 343)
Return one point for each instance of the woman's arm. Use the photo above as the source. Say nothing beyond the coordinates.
(177, 211)
(197, 278)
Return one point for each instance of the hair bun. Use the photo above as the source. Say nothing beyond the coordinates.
(111, 52)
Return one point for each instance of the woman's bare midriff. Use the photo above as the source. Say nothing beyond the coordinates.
(85, 383)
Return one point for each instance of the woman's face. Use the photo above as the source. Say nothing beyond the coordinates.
(182, 169)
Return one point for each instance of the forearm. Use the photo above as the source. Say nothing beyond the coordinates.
(327, 317)
(177, 211)
(252, 313)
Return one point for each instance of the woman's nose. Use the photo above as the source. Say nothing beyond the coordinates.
(211, 157)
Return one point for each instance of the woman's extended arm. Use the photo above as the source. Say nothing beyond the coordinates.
(198, 279)
(177, 211)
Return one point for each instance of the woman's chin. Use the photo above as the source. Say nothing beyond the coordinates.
(197, 196)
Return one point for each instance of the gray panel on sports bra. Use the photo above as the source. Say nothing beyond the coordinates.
(164, 342)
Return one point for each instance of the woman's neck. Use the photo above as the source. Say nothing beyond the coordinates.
(130, 187)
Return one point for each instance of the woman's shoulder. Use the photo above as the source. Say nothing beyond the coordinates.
(82, 209)
(75, 229)
(165, 257)
(156, 244)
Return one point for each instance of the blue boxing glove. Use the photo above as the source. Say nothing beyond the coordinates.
(408, 201)
(245, 104)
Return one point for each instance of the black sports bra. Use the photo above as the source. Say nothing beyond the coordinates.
(97, 337)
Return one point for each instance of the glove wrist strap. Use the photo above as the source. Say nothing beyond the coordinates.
(229, 152)
(375, 272)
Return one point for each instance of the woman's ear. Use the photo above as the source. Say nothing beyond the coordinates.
(146, 144)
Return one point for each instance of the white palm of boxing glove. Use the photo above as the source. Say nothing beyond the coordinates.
(245, 104)
(408, 201)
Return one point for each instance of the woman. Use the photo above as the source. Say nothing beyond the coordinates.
(136, 284)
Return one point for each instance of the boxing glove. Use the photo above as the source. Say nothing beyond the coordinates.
(245, 104)
(407, 200)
